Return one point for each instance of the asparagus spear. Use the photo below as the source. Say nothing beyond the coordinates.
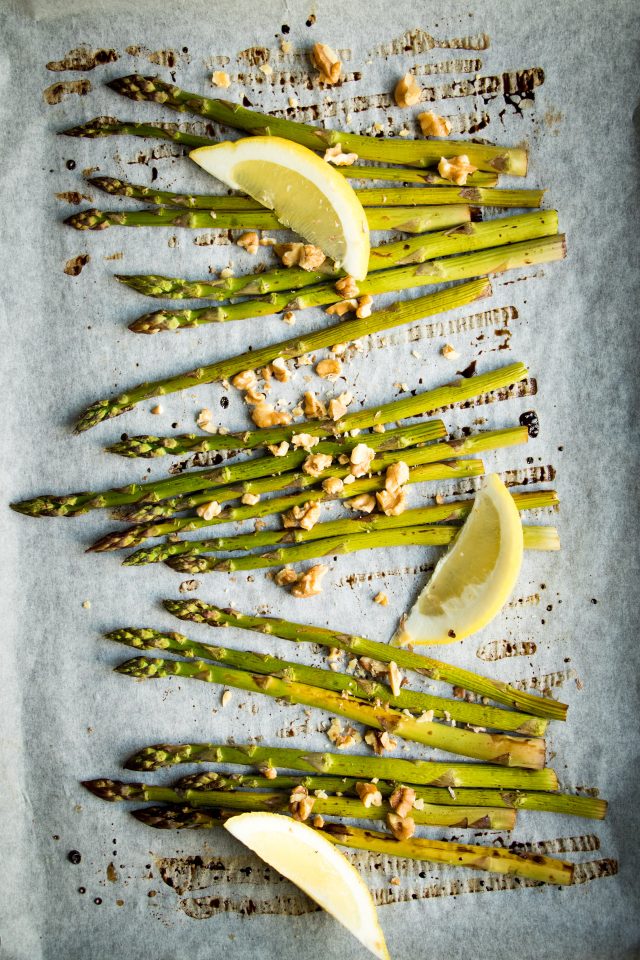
(564, 803)
(137, 534)
(419, 153)
(370, 197)
(480, 818)
(263, 663)
(466, 238)
(409, 406)
(535, 538)
(423, 772)
(398, 314)
(404, 219)
(538, 869)
(462, 267)
(497, 748)
(197, 611)
(451, 511)
(396, 175)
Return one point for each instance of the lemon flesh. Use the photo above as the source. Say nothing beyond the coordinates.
(306, 194)
(477, 575)
(313, 863)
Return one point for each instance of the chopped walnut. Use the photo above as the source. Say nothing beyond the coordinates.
(220, 79)
(316, 463)
(369, 794)
(318, 822)
(314, 409)
(305, 516)
(326, 61)
(344, 306)
(360, 459)
(309, 584)
(449, 352)
(397, 475)
(285, 577)
(401, 800)
(364, 307)
(280, 370)
(333, 485)
(395, 678)
(304, 440)
(311, 257)
(393, 503)
(266, 68)
(264, 415)
(289, 253)
(269, 772)
(337, 409)
(279, 449)
(379, 741)
(342, 739)
(225, 273)
(364, 502)
(249, 241)
(286, 46)
(226, 698)
(250, 499)
(253, 397)
(289, 317)
(382, 599)
(425, 717)
(245, 380)
(401, 827)
(204, 420)
(336, 156)
(378, 428)
(156, 410)
(457, 169)
(407, 92)
(209, 510)
(330, 367)
(347, 287)
(300, 803)
(374, 667)
(431, 125)
(339, 349)
(349, 479)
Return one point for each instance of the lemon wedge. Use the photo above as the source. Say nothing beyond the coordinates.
(305, 193)
(476, 576)
(305, 857)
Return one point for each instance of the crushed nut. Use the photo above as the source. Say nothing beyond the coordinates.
(285, 577)
(402, 800)
(330, 367)
(209, 510)
(360, 459)
(339, 309)
(286, 46)
(326, 62)
(289, 253)
(156, 410)
(311, 257)
(342, 739)
(188, 585)
(269, 772)
(364, 502)
(318, 822)
(393, 503)
(220, 79)
(314, 409)
(449, 352)
(300, 803)
(266, 68)
(226, 698)
(431, 125)
(364, 307)
(457, 169)
(305, 516)
(425, 717)
(333, 485)
(264, 415)
(382, 599)
(336, 156)
(86, 604)
(401, 827)
(339, 349)
(205, 420)
(375, 667)
(309, 584)
(253, 397)
(397, 475)
(378, 428)
(395, 881)
(280, 370)
(245, 380)
(293, 102)
(225, 273)
(379, 741)
(395, 678)
(369, 795)
(337, 408)
(320, 794)
(407, 92)
(289, 317)
(304, 440)
(316, 463)
(250, 499)
(249, 241)
(349, 479)
(418, 804)
(347, 287)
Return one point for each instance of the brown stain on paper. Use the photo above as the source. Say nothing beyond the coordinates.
(65, 88)
(72, 196)
(419, 41)
(163, 58)
(74, 267)
(500, 649)
(83, 58)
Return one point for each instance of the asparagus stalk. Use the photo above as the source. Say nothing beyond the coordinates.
(468, 237)
(418, 153)
(431, 177)
(404, 219)
(480, 818)
(535, 538)
(110, 127)
(411, 406)
(370, 197)
(197, 611)
(263, 663)
(564, 803)
(137, 534)
(494, 747)
(398, 314)
(451, 511)
(462, 267)
(420, 772)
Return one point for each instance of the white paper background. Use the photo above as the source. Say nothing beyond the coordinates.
(66, 716)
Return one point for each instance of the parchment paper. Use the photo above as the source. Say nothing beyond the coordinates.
(67, 717)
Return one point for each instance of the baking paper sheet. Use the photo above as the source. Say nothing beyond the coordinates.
(67, 717)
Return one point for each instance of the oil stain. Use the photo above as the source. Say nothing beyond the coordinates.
(83, 58)
(66, 88)
(75, 266)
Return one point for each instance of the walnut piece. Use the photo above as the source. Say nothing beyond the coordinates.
(365, 503)
(253, 397)
(393, 503)
(333, 485)
(289, 253)
(326, 62)
(316, 463)
(395, 678)
(449, 352)
(226, 698)
(318, 822)
(280, 370)
(347, 287)
(364, 307)
(407, 92)
(309, 584)
(209, 510)
(342, 739)
(337, 408)
(314, 409)
(401, 828)
(289, 317)
(457, 169)
(330, 367)
(285, 577)
(402, 800)
(304, 440)
(205, 421)
(369, 794)
(245, 380)
(269, 772)
(379, 741)
(397, 475)
(279, 449)
(265, 415)
(360, 459)
(220, 79)
(249, 241)
(300, 803)
(311, 257)
(305, 516)
(336, 156)
(156, 410)
(250, 499)
(339, 309)
(431, 125)
(382, 599)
